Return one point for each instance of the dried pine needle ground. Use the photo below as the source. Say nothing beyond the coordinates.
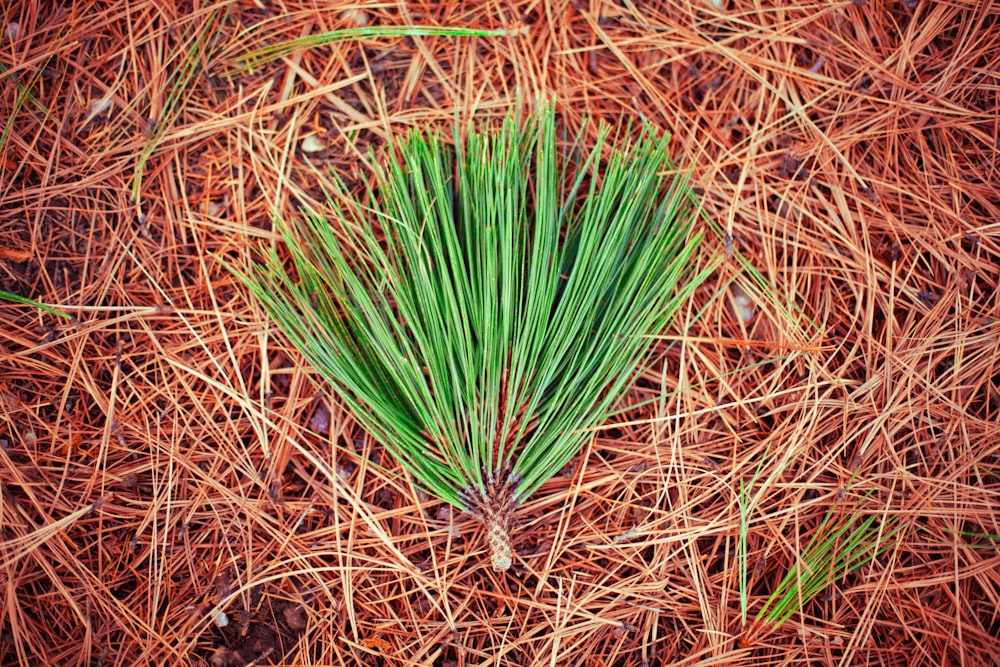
(164, 459)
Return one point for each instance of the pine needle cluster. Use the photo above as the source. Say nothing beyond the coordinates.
(485, 305)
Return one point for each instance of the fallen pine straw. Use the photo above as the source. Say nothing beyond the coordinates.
(165, 459)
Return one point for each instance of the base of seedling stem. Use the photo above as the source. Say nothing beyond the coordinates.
(494, 505)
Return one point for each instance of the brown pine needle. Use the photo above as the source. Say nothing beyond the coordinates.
(847, 151)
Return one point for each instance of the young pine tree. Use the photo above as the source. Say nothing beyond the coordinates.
(484, 307)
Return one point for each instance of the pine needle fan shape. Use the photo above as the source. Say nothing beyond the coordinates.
(482, 309)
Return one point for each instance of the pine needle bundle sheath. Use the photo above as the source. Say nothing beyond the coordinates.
(483, 308)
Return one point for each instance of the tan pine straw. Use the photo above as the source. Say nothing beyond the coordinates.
(166, 460)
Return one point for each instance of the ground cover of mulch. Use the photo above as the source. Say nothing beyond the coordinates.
(176, 489)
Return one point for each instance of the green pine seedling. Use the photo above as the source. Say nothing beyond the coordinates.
(482, 310)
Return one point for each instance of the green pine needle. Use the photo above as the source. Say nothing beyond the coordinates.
(8, 296)
(837, 548)
(261, 56)
(485, 308)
